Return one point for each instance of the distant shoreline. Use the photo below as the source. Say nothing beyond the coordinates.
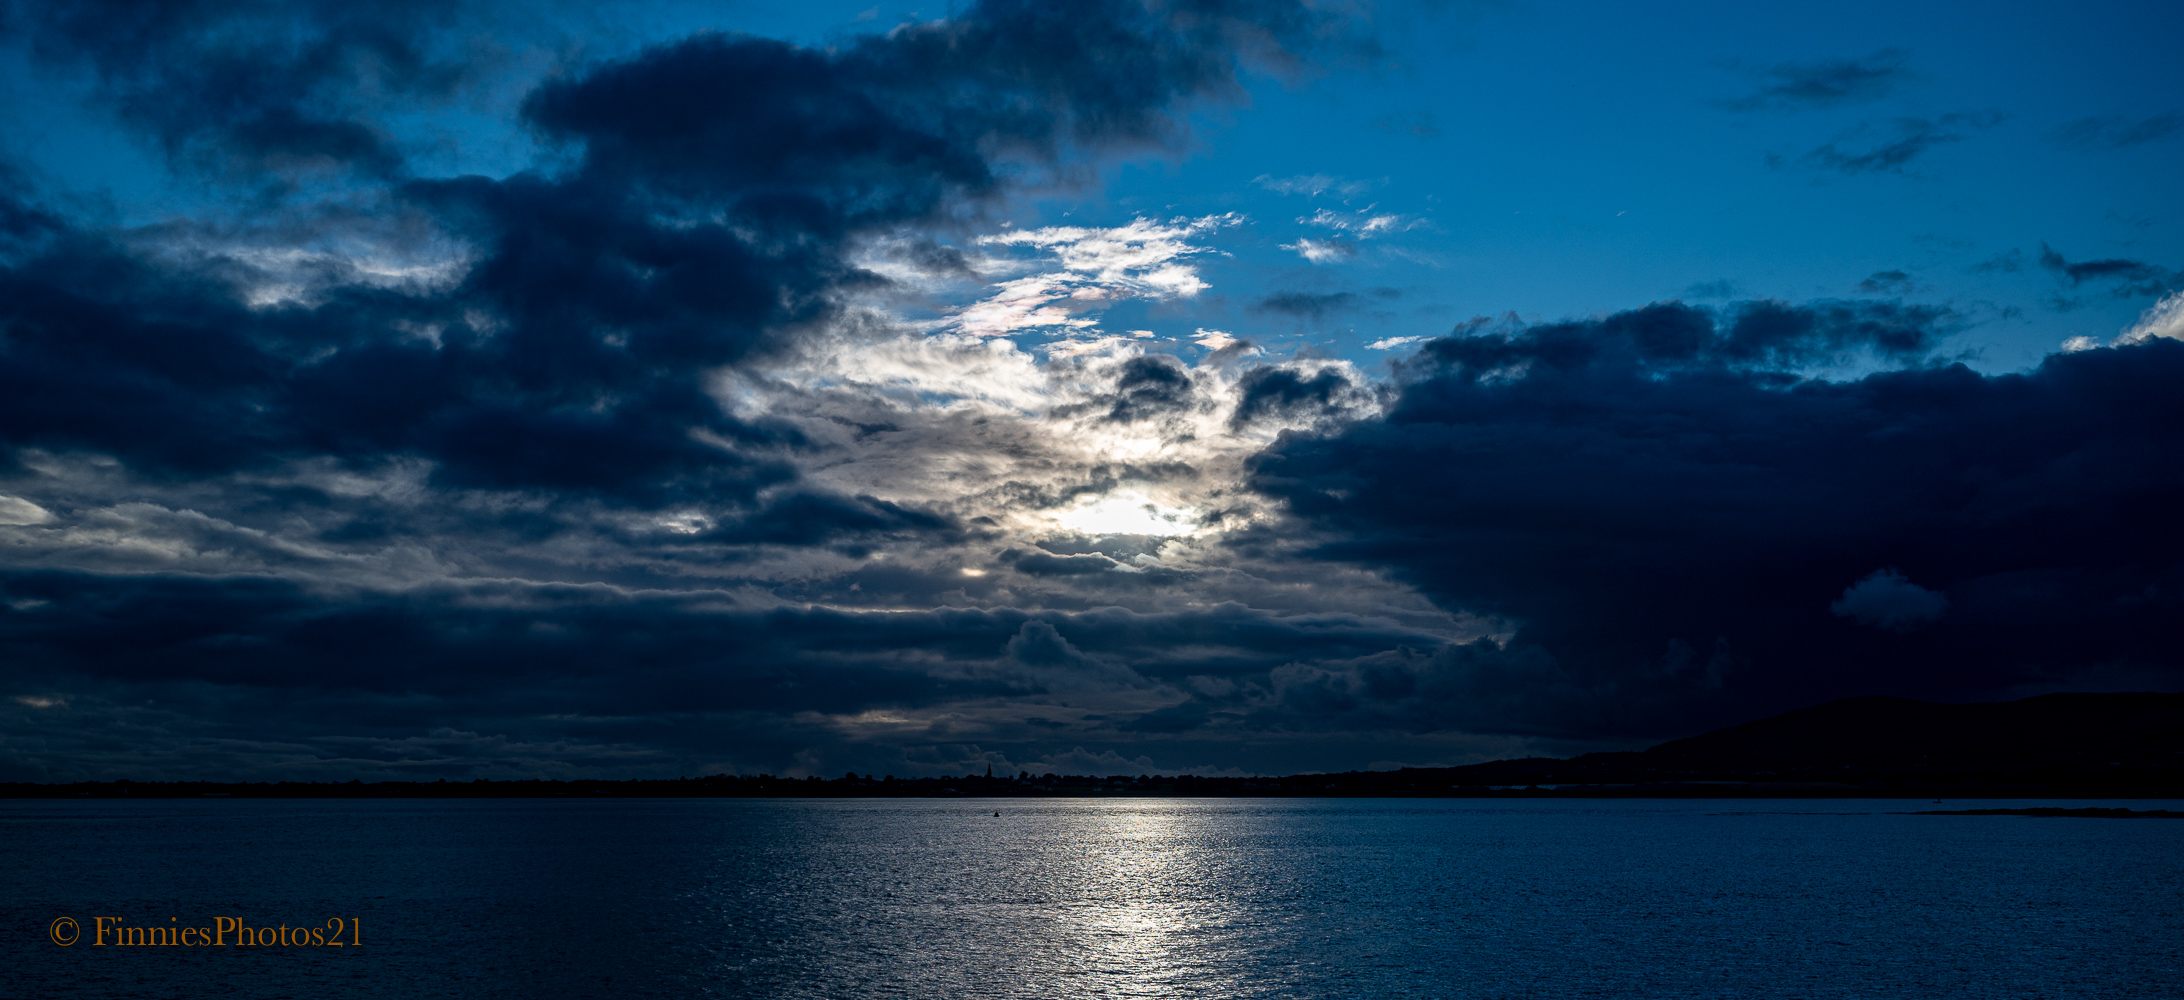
(1413, 783)
(2053, 812)
(2126, 745)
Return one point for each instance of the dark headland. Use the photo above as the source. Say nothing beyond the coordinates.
(2053, 746)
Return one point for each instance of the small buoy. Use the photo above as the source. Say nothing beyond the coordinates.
(997, 815)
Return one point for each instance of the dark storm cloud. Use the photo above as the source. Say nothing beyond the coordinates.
(1150, 386)
(1475, 686)
(1823, 83)
(807, 518)
(527, 399)
(162, 368)
(1686, 532)
(22, 224)
(716, 185)
(1763, 333)
(2126, 278)
(245, 88)
(1889, 148)
(346, 682)
(933, 258)
(2116, 131)
(1279, 390)
(624, 651)
(468, 500)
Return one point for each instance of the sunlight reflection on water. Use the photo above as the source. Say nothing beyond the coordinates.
(1111, 898)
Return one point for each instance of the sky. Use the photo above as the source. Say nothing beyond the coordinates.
(457, 390)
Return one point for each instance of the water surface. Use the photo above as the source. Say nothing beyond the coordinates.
(1099, 898)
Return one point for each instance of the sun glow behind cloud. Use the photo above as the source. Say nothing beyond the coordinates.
(1128, 513)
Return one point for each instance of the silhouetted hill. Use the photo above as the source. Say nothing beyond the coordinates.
(2058, 745)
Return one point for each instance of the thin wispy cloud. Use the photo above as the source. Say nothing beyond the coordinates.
(1322, 251)
(1891, 147)
(2117, 131)
(1891, 282)
(2123, 276)
(1313, 185)
(1822, 83)
(1350, 229)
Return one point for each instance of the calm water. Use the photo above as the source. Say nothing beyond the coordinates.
(1132, 898)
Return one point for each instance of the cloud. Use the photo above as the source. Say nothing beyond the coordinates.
(1666, 512)
(1351, 228)
(1150, 386)
(1053, 565)
(1888, 282)
(1364, 224)
(715, 193)
(1481, 685)
(1217, 340)
(1307, 305)
(245, 92)
(1322, 251)
(1288, 390)
(1871, 148)
(2164, 319)
(2126, 278)
(594, 680)
(1824, 83)
(1098, 267)
(2116, 131)
(1884, 599)
(16, 510)
(1313, 185)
